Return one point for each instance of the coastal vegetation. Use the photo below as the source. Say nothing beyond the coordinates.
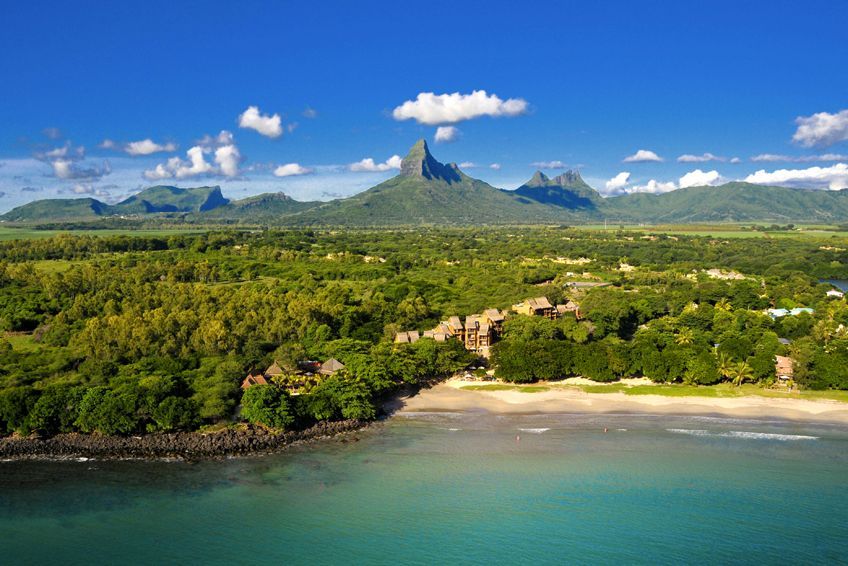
(119, 334)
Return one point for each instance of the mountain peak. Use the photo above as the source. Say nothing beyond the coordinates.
(419, 162)
(569, 179)
(538, 179)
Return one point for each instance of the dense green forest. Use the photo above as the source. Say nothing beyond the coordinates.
(127, 334)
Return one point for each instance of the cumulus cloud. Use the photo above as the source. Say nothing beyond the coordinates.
(107, 144)
(735, 160)
(641, 156)
(555, 164)
(147, 147)
(495, 166)
(774, 157)
(446, 134)
(618, 182)
(822, 129)
(368, 164)
(292, 170)
(65, 161)
(270, 126)
(654, 187)
(434, 109)
(467, 165)
(225, 155)
(834, 177)
(698, 178)
(703, 158)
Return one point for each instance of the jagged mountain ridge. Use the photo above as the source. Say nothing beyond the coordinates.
(427, 192)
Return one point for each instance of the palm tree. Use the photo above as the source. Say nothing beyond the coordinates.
(684, 337)
(741, 372)
(724, 305)
(725, 365)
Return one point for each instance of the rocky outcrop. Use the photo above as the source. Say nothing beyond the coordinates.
(179, 445)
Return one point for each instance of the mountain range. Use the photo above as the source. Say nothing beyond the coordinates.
(427, 192)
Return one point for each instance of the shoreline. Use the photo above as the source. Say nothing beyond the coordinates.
(450, 396)
(181, 446)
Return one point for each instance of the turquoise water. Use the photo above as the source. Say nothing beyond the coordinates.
(440, 488)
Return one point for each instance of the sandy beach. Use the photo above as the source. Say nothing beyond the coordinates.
(450, 396)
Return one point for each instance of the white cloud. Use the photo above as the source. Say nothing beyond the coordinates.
(555, 164)
(703, 158)
(735, 160)
(145, 147)
(368, 164)
(618, 182)
(225, 137)
(467, 165)
(821, 129)
(447, 134)
(654, 187)
(698, 178)
(52, 133)
(642, 155)
(196, 165)
(291, 170)
(228, 158)
(270, 126)
(310, 113)
(65, 163)
(107, 144)
(773, 157)
(833, 177)
(432, 109)
(495, 166)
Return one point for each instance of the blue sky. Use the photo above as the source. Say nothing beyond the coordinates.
(578, 84)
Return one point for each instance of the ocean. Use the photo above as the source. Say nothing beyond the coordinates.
(438, 488)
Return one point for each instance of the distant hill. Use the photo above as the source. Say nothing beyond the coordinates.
(151, 200)
(56, 210)
(264, 208)
(171, 199)
(568, 190)
(427, 192)
(731, 202)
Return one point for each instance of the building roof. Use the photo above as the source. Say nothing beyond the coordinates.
(274, 370)
(539, 303)
(835, 293)
(331, 366)
(251, 380)
(455, 322)
(494, 315)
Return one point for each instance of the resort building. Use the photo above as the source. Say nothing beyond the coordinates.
(409, 337)
(540, 306)
(297, 381)
(834, 294)
(331, 366)
(252, 380)
(780, 313)
(783, 368)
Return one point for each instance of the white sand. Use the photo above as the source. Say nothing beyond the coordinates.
(449, 396)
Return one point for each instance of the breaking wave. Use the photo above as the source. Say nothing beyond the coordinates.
(742, 434)
(534, 430)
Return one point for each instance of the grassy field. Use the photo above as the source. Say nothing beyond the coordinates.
(723, 230)
(676, 390)
(8, 233)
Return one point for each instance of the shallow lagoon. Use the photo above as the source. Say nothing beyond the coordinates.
(471, 488)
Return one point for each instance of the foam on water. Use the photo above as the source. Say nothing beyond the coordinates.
(742, 434)
(534, 430)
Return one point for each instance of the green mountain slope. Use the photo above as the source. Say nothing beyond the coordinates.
(568, 190)
(429, 192)
(171, 199)
(265, 208)
(731, 202)
(52, 210)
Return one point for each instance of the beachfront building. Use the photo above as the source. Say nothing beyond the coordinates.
(784, 369)
(477, 333)
(834, 294)
(408, 337)
(308, 374)
(569, 307)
